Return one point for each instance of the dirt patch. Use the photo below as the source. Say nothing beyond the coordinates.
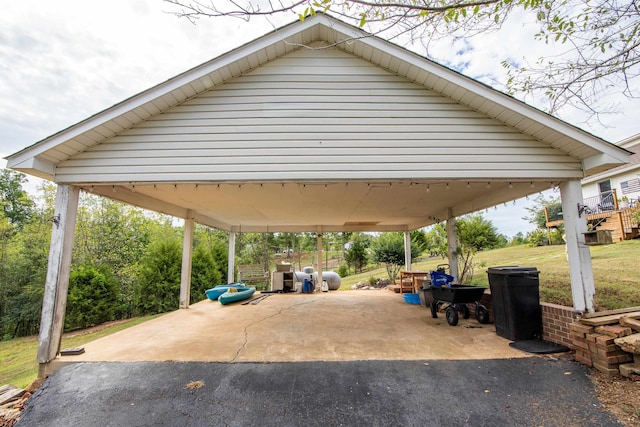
(619, 395)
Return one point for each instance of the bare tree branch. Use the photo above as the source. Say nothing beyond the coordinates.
(602, 36)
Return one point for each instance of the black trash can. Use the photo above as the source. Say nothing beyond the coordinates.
(515, 292)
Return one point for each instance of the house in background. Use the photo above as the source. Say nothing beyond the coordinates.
(611, 200)
(624, 180)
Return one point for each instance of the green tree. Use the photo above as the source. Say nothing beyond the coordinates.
(599, 39)
(14, 201)
(22, 271)
(537, 215)
(113, 235)
(518, 239)
(23, 313)
(356, 256)
(158, 283)
(388, 249)
(92, 298)
(436, 240)
(254, 248)
(420, 239)
(217, 243)
(204, 273)
(475, 233)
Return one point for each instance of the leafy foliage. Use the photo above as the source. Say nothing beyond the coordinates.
(204, 273)
(388, 249)
(15, 204)
(436, 241)
(537, 215)
(157, 288)
(475, 233)
(356, 256)
(92, 298)
(113, 259)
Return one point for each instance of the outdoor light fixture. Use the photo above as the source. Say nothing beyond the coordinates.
(581, 209)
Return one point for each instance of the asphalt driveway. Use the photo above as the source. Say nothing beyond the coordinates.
(530, 391)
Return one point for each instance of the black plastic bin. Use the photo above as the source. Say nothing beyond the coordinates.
(426, 297)
(515, 292)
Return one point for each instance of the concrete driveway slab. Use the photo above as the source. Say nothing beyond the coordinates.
(334, 326)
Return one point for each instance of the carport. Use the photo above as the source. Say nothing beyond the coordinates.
(315, 127)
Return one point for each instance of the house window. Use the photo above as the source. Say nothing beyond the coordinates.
(631, 186)
(606, 196)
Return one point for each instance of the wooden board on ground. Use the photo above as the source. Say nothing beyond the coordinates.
(407, 289)
(610, 312)
(630, 322)
(10, 395)
(609, 320)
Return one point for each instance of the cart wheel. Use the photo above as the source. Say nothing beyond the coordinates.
(482, 314)
(452, 315)
(434, 310)
(464, 310)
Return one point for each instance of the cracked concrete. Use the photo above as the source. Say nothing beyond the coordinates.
(334, 326)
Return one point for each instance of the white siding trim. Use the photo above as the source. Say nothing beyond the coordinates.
(341, 123)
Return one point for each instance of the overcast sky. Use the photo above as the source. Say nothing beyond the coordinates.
(62, 61)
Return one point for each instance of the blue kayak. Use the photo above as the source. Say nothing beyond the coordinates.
(240, 295)
(214, 293)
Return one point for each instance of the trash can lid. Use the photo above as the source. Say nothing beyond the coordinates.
(512, 270)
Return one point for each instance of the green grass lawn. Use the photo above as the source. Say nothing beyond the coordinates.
(616, 269)
(18, 365)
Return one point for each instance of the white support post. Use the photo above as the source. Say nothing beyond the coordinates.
(407, 251)
(452, 244)
(56, 284)
(187, 255)
(231, 265)
(319, 241)
(580, 267)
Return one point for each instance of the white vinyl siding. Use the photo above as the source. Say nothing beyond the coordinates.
(321, 115)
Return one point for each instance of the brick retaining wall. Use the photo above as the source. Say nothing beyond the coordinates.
(556, 321)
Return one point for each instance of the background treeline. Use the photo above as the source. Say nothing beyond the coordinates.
(127, 261)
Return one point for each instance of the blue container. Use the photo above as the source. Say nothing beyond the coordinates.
(411, 298)
(440, 279)
(307, 286)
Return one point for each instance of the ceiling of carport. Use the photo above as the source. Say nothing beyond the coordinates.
(321, 206)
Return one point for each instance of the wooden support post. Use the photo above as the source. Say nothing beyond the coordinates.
(546, 217)
(187, 255)
(580, 267)
(407, 251)
(319, 241)
(452, 244)
(231, 264)
(56, 285)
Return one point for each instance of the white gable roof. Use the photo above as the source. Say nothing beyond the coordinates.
(393, 117)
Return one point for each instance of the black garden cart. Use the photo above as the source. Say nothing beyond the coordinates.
(457, 297)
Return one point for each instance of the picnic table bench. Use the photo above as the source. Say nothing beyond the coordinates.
(249, 273)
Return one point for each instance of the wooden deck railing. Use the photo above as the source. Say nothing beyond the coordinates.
(630, 218)
(604, 209)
